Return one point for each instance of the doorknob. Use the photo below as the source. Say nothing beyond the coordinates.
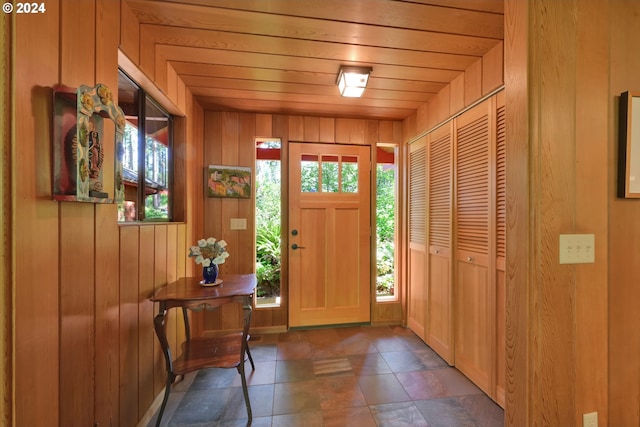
(294, 232)
(295, 246)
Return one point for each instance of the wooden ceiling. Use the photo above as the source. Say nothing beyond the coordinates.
(283, 56)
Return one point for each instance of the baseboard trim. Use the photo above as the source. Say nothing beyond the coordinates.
(267, 330)
(151, 410)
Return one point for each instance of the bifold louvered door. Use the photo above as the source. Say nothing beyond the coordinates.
(501, 245)
(416, 316)
(475, 246)
(439, 295)
(457, 243)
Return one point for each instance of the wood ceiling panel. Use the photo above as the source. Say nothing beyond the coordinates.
(290, 63)
(283, 56)
(204, 85)
(304, 48)
(492, 6)
(240, 21)
(301, 108)
(442, 18)
(190, 71)
(302, 97)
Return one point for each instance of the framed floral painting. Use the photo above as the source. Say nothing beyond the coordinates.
(228, 181)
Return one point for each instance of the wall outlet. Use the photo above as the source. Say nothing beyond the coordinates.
(590, 419)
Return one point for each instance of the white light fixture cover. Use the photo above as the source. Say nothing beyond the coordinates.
(353, 80)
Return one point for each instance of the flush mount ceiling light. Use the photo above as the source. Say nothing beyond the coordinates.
(353, 80)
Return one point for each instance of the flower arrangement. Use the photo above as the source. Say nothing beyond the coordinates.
(209, 251)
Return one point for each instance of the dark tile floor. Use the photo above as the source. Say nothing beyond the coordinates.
(353, 376)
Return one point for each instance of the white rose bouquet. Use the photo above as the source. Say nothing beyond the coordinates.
(209, 251)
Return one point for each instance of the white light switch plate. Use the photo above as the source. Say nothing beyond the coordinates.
(238, 224)
(577, 248)
(590, 419)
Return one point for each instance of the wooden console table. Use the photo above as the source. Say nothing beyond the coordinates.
(227, 351)
(187, 293)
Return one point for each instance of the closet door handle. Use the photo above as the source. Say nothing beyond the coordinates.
(470, 259)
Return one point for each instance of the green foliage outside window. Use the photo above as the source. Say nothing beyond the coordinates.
(385, 229)
(156, 206)
(268, 200)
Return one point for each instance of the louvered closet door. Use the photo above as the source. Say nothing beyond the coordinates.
(475, 293)
(439, 295)
(501, 245)
(416, 318)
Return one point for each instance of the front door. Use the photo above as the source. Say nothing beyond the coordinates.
(329, 234)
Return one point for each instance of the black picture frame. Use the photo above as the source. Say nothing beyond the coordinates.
(629, 146)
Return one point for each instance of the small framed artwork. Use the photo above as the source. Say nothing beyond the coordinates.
(629, 146)
(229, 181)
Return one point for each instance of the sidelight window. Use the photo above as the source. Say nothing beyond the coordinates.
(386, 223)
(268, 222)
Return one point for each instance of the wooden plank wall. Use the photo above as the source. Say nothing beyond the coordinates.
(229, 140)
(558, 157)
(148, 256)
(480, 79)
(518, 206)
(37, 319)
(624, 229)
(6, 231)
(85, 351)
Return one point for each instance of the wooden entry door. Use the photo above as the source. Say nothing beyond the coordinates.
(329, 234)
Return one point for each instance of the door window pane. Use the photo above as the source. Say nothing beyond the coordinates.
(349, 174)
(309, 173)
(336, 174)
(330, 174)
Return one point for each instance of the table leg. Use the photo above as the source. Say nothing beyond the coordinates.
(187, 328)
(247, 319)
